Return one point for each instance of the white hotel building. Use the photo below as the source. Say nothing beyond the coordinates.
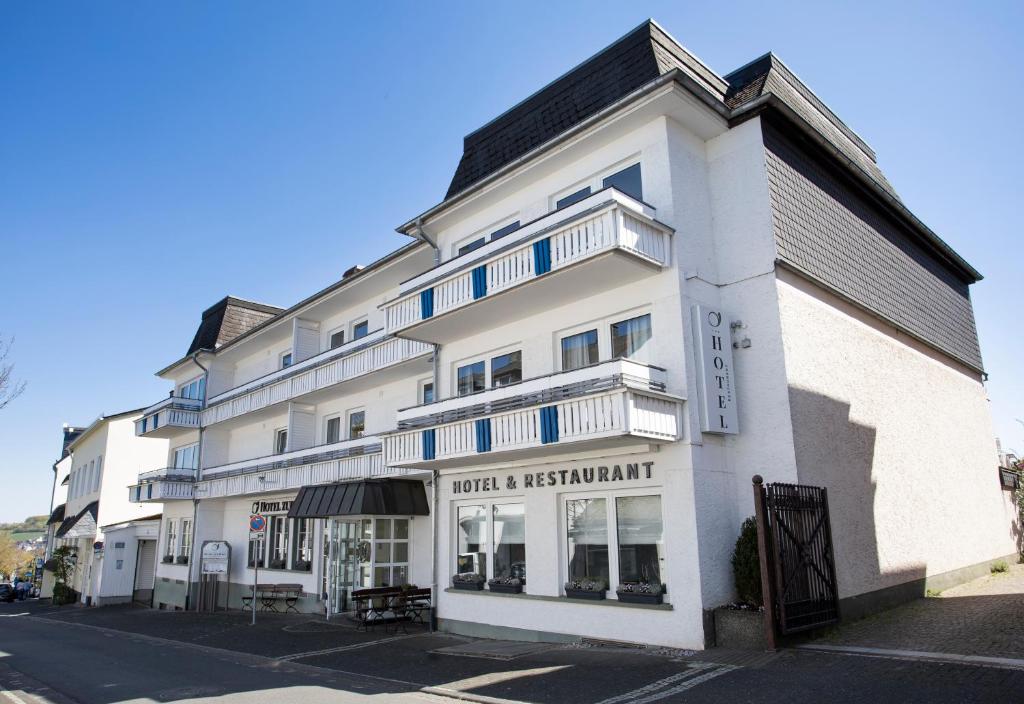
(646, 283)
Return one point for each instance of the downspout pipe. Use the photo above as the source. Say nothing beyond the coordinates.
(195, 501)
(435, 476)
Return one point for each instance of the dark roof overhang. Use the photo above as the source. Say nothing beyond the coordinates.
(89, 513)
(57, 516)
(372, 497)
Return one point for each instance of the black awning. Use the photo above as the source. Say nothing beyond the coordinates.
(92, 510)
(372, 497)
(57, 516)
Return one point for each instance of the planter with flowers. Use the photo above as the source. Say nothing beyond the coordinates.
(168, 559)
(586, 588)
(641, 593)
(468, 581)
(182, 559)
(505, 585)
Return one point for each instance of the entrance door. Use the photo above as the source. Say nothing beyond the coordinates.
(343, 567)
(144, 567)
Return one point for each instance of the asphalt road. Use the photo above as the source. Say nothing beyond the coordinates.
(66, 658)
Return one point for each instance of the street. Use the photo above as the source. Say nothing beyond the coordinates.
(115, 654)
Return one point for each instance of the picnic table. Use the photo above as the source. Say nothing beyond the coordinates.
(270, 596)
(390, 604)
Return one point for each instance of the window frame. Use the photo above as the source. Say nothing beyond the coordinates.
(340, 330)
(185, 541)
(595, 182)
(488, 545)
(604, 335)
(348, 422)
(327, 428)
(612, 518)
(200, 388)
(421, 391)
(277, 443)
(487, 358)
(194, 446)
(487, 234)
(281, 364)
(171, 538)
(364, 320)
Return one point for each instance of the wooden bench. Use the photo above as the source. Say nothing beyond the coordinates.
(371, 606)
(269, 595)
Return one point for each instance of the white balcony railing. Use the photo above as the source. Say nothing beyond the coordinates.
(156, 490)
(168, 415)
(360, 357)
(608, 400)
(326, 464)
(606, 221)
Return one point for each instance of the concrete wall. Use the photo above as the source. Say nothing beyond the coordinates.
(902, 438)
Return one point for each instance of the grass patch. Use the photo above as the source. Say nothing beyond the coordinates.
(932, 593)
(999, 566)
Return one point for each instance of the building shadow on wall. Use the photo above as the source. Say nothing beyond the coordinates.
(836, 453)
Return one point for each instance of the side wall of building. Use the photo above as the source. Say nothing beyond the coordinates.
(902, 438)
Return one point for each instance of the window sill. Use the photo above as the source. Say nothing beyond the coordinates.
(562, 599)
(280, 569)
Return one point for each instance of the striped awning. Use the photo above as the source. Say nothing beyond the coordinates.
(372, 497)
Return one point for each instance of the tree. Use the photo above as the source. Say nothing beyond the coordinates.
(11, 557)
(10, 389)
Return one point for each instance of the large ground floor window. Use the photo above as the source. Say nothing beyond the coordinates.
(617, 540)
(490, 540)
(288, 545)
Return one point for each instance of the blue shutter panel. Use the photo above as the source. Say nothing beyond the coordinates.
(480, 281)
(156, 421)
(427, 303)
(541, 256)
(483, 435)
(149, 491)
(428, 444)
(549, 424)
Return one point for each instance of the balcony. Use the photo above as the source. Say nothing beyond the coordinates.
(324, 464)
(353, 361)
(167, 484)
(605, 405)
(168, 417)
(607, 238)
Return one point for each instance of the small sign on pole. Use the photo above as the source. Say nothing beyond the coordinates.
(258, 533)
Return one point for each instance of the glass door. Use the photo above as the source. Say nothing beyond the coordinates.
(343, 564)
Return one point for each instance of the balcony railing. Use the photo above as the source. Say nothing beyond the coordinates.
(605, 222)
(167, 416)
(168, 484)
(595, 405)
(358, 358)
(325, 464)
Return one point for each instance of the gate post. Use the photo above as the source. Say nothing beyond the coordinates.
(767, 587)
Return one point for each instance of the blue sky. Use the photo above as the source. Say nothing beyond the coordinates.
(157, 156)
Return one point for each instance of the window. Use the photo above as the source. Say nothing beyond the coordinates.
(172, 539)
(337, 339)
(302, 544)
(628, 181)
(195, 389)
(257, 553)
(186, 457)
(360, 329)
(630, 336)
(333, 430)
(506, 230)
(277, 537)
(390, 552)
(471, 378)
(99, 474)
(579, 350)
(587, 539)
(507, 368)
(470, 246)
(281, 441)
(186, 539)
(90, 478)
(471, 550)
(572, 198)
(356, 424)
(637, 544)
(508, 536)
(427, 395)
(286, 360)
(639, 533)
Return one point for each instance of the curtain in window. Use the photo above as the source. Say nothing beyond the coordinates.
(629, 336)
(579, 350)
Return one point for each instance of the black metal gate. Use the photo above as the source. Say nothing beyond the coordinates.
(799, 572)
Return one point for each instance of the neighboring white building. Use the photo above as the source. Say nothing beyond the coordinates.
(646, 283)
(104, 459)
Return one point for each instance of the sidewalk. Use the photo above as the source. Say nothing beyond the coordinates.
(982, 618)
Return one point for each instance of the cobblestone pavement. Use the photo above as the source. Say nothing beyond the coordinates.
(984, 617)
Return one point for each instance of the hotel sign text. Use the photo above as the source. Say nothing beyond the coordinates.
(716, 383)
(556, 477)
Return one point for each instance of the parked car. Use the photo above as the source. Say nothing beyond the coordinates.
(6, 592)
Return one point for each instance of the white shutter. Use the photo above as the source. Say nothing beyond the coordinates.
(147, 564)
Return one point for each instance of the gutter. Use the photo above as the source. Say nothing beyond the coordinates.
(195, 500)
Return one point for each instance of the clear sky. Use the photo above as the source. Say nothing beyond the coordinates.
(157, 156)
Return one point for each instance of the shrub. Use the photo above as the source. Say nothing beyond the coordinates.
(588, 585)
(468, 577)
(746, 565)
(999, 566)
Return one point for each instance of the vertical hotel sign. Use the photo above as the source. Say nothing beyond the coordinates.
(716, 378)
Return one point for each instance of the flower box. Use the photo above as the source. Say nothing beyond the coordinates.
(182, 560)
(168, 559)
(588, 594)
(469, 586)
(639, 598)
(505, 588)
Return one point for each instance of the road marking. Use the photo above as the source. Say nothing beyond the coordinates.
(14, 698)
(986, 661)
(695, 674)
(688, 684)
(343, 648)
